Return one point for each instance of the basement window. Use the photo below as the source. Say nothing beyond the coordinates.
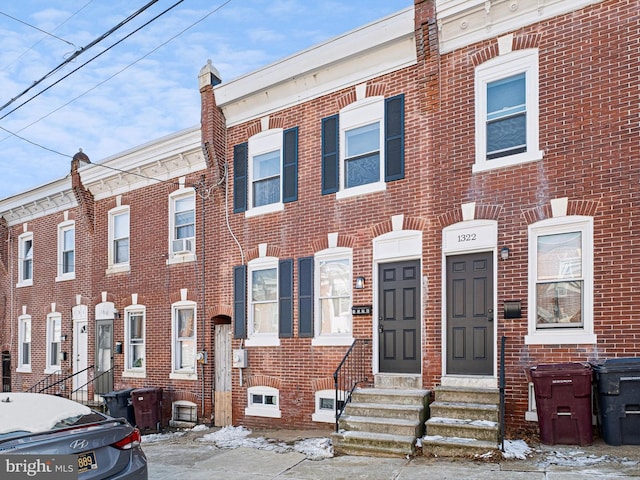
(326, 405)
(263, 402)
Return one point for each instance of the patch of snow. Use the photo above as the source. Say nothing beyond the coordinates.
(516, 449)
(160, 437)
(36, 412)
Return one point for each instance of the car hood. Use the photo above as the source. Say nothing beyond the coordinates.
(35, 412)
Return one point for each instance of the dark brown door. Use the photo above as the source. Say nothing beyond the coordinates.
(399, 319)
(104, 356)
(470, 313)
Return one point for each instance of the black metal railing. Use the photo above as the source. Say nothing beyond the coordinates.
(352, 371)
(503, 383)
(54, 384)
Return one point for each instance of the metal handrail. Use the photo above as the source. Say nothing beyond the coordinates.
(350, 373)
(503, 383)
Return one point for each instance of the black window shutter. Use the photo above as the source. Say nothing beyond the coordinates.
(394, 138)
(290, 166)
(330, 154)
(239, 301)
(285, 288)
(240, 177)
(305, 297)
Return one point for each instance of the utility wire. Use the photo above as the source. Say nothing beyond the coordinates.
(39, 29)
(79, 52)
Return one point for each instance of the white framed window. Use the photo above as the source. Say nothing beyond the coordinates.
(54, 331)
(183, 412)
(325, 410)
(134, 331)
(66, 251)
(263, 302)
(333, 287)
(507, 110)
(25, 259)
(362, 147)
(24, 342)
(561, 281)
(265, 172)
(263, 402)
(119, 239)
(184, 340)
(182, 235)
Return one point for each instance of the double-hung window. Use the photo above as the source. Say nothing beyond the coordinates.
(54, 325)
(25, 259)
(184, 339)
(135, 339)
(263, 299)
(24, 342)
(507, 118)
(561, 281)
(66, 251)
(119, 239)
(182, 225)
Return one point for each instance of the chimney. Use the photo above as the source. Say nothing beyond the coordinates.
(213, 124)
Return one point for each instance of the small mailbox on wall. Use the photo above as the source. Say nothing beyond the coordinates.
(512, 309)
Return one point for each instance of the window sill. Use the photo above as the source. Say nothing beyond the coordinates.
(52, 370)
(324, 417)
(332, 341)
(361, 190)
(510, 161)
(176, 259)
(183, 376)
(134, 374)
(266, 341)
(561, 338)
(65, 277)
(263, 412)
(23, 370)
(117, 269)
(25, 283)
(271, 208)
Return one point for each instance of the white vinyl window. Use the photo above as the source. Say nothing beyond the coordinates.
(184, 339)
(54, 327)
(507, 123)
(182, 225)
(265, 172)
(561, 281)
(362, 147)
(66, 251)
(333, 279)
(135, 338)
(263, 302)
(25, 259)
(24, 342)
(263, 402)
(119, 239)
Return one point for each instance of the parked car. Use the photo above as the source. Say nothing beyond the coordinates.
(39, 424)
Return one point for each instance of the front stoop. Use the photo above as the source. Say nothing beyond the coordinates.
(382, 422)
(464, 422)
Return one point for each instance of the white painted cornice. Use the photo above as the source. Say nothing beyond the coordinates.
(41, 201)
(465, 22)
(375, 49)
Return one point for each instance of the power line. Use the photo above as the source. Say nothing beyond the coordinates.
(38, 29)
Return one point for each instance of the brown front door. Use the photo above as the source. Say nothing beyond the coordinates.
(470, 314)
(399, 317)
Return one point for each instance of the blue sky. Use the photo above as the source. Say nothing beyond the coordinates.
(144, 87)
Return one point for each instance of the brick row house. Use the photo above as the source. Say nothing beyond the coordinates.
(424, 190)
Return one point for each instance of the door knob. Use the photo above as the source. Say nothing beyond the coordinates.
(490, 315)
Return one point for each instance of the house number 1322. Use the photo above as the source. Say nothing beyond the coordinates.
(466, 237)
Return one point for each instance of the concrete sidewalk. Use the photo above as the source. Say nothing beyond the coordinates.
(188, 458)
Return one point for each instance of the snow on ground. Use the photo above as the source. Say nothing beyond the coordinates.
(517, 449)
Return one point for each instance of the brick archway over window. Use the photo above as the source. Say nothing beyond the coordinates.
(586, 208)
(482, 212)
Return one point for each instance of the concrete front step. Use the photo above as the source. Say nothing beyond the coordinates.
(388, 410)
(457, 447)
(475, 429)
(475, 411)
(395, 426)
(390, 396)
(375, 444)
(460, 394)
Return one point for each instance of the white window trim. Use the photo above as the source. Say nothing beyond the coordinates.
(264, 142)
(129, 371)
(180, 257)
(24, 367)
(62, 228)
(358, 114)
(560, 336)
(124, 266)
(334, 339)
(322, 415)
(49, 338)
(21, 241)
(183, 374)
(504, 66)
(174, 422)
(260, 339)
(270, 411)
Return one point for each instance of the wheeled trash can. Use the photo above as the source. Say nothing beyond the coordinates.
(147, 405)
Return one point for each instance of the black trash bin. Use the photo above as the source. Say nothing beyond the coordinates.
(147, 404)
(618, 387)
(119, 404)
(563, 401)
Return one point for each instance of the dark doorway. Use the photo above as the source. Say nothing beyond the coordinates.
(399, 319)
(104, 356)
(470, 314)
(6, 371)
